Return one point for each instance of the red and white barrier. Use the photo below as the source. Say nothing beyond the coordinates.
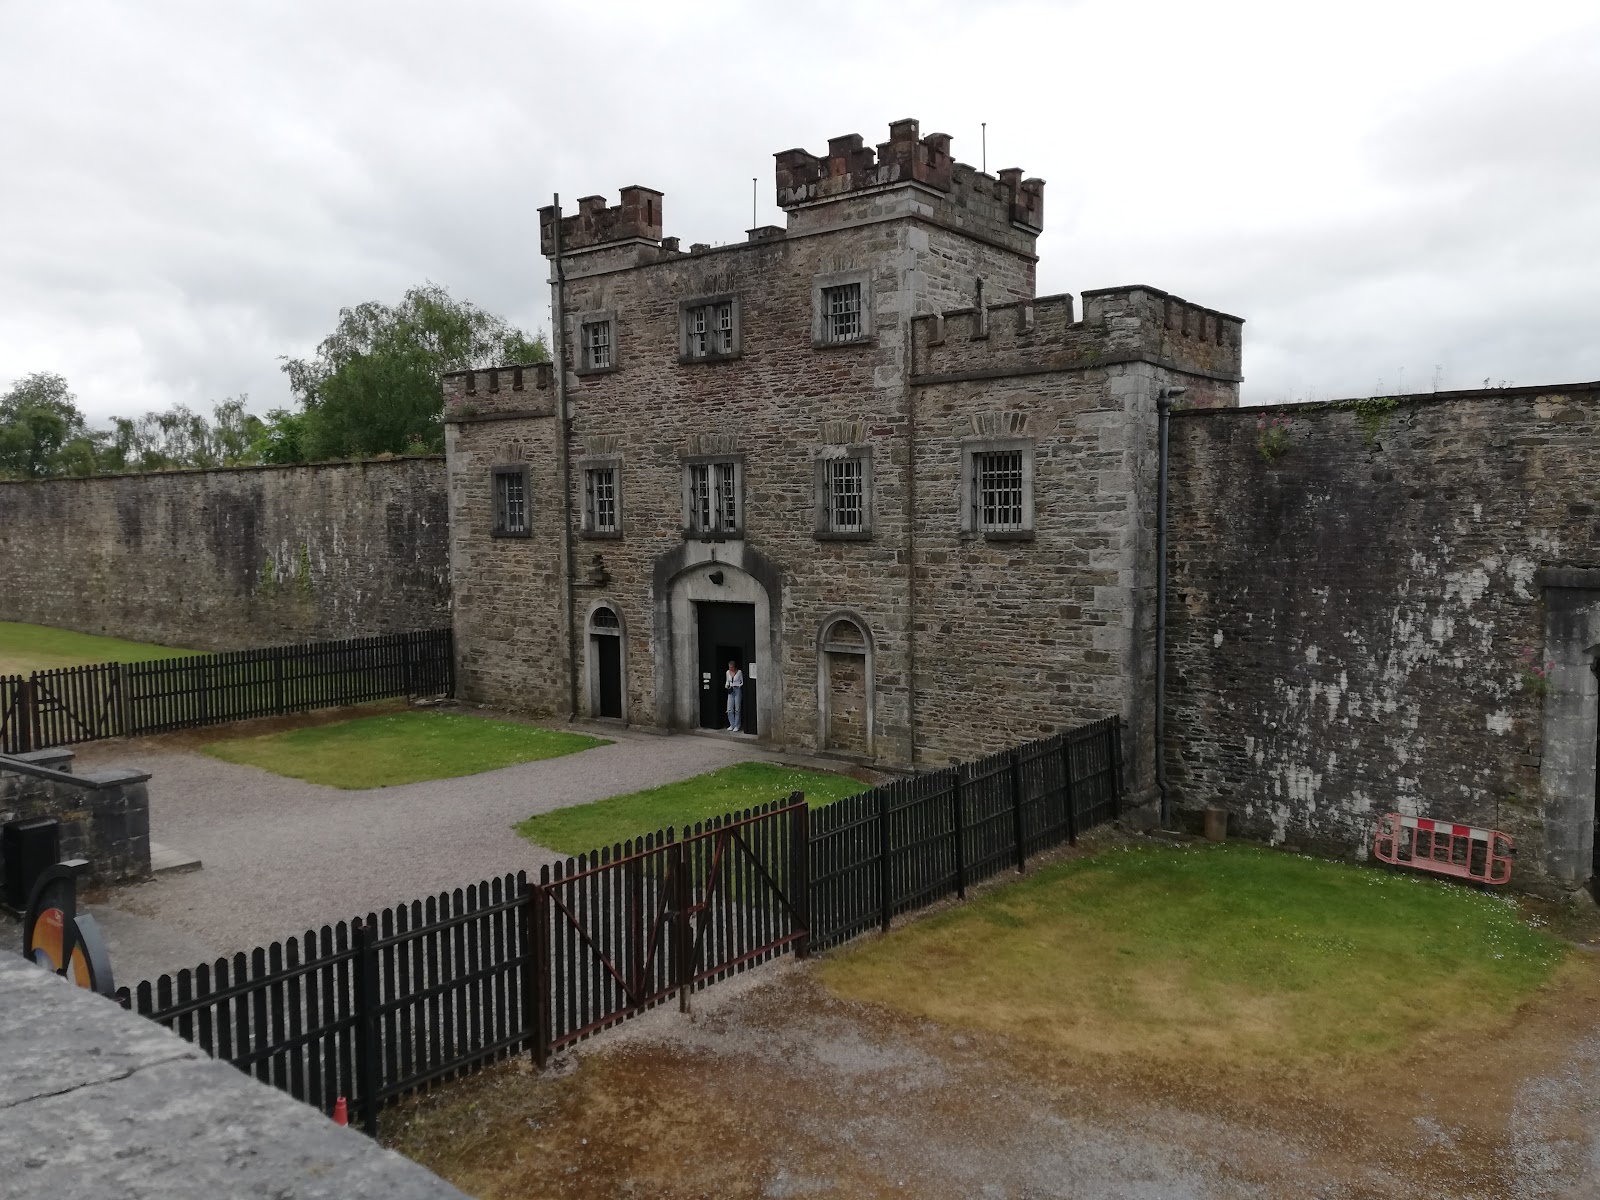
(1461, 851)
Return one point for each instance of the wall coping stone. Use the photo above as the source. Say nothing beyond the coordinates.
(100, 1102)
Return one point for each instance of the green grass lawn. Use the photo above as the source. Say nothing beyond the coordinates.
(585, 827)
(395, 748)
(1235, 954)
(27, 648)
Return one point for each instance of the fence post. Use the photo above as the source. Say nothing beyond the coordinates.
(536, 982)
(681, 895)
(958, 793)
(28, 714)
(277, 681)
(800, 873)
(1015, 774)
(366, 981)
(411, 645)
(1071, 795)
(1116, 768)
(885, 892)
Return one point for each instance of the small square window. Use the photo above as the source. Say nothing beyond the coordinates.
(841, 318)
(997, 487)
(844, 494)
(600, 499)
(713, 503)
(509, 487)
(710, 329)
(841, 309)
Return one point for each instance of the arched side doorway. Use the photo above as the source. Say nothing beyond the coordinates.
(846, 685)
(1571, 735)
(606, 663)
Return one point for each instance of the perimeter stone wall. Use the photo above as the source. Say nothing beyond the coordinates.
(1360, 625)
(228, 559)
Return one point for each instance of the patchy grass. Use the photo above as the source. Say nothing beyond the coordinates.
(1233, 954)
(27, 648)
(405, 747)
(585, 827)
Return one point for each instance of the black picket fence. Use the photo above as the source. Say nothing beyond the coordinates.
(377, 1007)
(81, 704)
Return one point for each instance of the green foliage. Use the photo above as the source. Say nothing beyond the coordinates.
(180, 438)
(585, 827)
(42, 433)
(398, 748)
(1372, 414)
(1272, 438)
(302, 579)
(1230, 952)
(373, 385)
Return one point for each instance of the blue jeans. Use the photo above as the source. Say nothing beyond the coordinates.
(735, 708)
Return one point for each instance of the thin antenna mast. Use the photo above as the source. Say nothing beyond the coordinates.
(752, 202)
(984, 125)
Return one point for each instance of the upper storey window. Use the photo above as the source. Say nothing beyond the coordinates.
(597, 342)
(713, 496)
(841, 309)
(843, 317)
(509, 487)
(997, 487)
(709, 329)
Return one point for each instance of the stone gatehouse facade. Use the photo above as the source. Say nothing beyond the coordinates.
(856, 454)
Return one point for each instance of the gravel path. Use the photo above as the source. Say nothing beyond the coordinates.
(281, 856)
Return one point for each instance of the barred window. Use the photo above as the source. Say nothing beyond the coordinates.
(714, 497)
(997, 490)
(600, 499)
(845, 495)
(510, 488)
(597, 345)
(709, 329)
(842, 312)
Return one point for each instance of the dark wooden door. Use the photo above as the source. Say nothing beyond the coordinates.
(608, 653)
(727, 633)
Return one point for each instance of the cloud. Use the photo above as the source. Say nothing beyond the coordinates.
(194, 190)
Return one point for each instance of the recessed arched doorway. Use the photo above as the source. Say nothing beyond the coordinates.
(607, 664)
(846, 688)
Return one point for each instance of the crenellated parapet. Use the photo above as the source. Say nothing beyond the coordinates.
(637, 217)
(499, 393)
(1117, 325)
(1005, 205)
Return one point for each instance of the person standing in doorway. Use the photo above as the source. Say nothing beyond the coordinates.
(733, 683)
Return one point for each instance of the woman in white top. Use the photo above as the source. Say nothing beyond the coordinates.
(733, 684)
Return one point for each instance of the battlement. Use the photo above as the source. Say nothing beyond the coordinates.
(526, 389)
(850, 167)
(1124, 324)
(638, 216)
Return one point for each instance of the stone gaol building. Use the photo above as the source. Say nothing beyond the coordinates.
(855, 453)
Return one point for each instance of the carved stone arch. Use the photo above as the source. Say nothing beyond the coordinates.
(605, 650)
(846, 684)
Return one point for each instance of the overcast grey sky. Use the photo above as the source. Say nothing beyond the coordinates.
(1387, 192)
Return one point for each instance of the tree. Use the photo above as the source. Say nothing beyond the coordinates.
(373, 385)
(181, 437)
(41, 430)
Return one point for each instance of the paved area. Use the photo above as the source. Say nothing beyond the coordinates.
(281, 856)
(100, 1104)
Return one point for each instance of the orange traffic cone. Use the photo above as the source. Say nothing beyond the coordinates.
(341, 1112)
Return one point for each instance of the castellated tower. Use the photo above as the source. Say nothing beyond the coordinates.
(856, 454)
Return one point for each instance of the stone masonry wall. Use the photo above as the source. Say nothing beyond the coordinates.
(227, 559)
(104, 815)
(1351, 625)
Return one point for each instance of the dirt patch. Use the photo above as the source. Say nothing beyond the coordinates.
(776, 1088)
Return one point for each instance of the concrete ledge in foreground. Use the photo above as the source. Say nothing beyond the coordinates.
(101, 1104)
